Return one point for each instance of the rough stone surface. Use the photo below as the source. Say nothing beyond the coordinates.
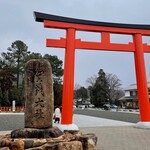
(89, 141)
(69, 140)
(36, 133)
(51, 146)
(5, 141)
(4, 148)
(90, 145)
(28, 143)
(73, 145)
(90, 136)
(37, 148)
(76, 134)
(38, 94)
(39, 142)
(17, 145)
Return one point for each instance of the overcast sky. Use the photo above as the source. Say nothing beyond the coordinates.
(17, 23)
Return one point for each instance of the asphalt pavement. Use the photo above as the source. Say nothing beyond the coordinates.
(120, 116)
(12, 121)
(120, 137)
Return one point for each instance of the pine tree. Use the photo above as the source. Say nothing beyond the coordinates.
(15, 57)
(99, 90)
(6, 84)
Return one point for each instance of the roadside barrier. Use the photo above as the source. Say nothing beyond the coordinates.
(9, 109)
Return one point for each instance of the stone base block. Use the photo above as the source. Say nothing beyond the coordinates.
(68, 127)
(37, 133)
(145, 125)
(70, 140)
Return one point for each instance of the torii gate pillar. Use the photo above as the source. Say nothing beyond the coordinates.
(70, 43)
(141, 82)
(68, 83)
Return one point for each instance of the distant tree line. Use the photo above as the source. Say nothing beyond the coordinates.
(102, 89)
(12, 65)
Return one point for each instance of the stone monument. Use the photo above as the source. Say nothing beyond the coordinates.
(39, 102)
(38, 94)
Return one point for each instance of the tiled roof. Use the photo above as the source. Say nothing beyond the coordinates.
(128, 98)
(134, 87)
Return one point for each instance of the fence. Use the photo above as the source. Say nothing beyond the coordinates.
(9, 109)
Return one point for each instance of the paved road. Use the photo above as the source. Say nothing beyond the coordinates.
(121, 116)
(16, 120)
(11, 121)
(120, 138)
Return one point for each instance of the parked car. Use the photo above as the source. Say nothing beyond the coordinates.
(81, 106)
(113, 106)
(106, 106)
(91, 106)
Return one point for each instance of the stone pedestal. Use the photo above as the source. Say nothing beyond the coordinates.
(144, 125)
(69, 140)
(36, 133)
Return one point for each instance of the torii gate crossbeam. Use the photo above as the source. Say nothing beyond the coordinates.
(70, 43)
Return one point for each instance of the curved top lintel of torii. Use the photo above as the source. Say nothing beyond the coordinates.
(40, 17)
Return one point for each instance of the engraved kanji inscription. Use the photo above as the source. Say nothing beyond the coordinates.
(39, 88)
(39, 102)
(39, 113)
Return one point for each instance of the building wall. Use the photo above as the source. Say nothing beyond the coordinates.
(127, 93)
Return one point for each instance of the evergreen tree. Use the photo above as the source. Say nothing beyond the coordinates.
(33, 56)
(57, 71)
(57, 93)
(99, 90)
(16, 57)
(6, 84)
(56, 65)
(81, 93)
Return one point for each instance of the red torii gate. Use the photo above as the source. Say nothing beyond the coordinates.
(70, 43)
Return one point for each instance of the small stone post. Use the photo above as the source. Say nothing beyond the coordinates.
(13, 105)
(38, 94)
